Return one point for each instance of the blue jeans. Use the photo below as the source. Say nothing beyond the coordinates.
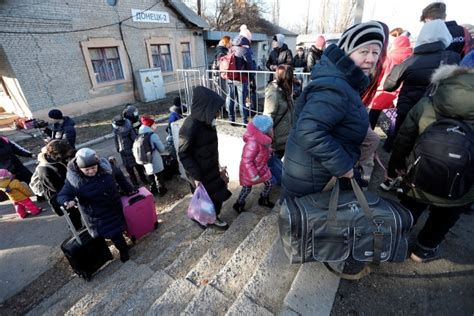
(242, 91)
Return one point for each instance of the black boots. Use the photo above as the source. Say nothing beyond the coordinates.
(239, 208)
(124, 256)
(265, 201)
(262, 201)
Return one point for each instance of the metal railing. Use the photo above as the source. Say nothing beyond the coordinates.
(254, 90)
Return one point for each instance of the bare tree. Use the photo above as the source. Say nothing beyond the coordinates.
(228, 15)
(335, 15)
(323, 17)
(345, 16)
(307, 18)
(276, 12)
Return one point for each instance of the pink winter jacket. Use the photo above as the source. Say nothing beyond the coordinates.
(255, 155)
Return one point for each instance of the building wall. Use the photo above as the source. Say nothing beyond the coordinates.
(52, 69)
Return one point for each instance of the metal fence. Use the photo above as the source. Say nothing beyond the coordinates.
(254, 90)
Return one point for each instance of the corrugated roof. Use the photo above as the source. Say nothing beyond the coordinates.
(187, 14)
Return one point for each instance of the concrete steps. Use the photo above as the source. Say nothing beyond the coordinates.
(228, 282)
(172, 301)
(183, 269)
(312, 291)
(270, 283)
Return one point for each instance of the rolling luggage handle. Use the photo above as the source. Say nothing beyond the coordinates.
(70, 224)
(136, 198)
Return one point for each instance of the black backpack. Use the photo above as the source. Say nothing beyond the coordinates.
(142, 150)
(442, 160)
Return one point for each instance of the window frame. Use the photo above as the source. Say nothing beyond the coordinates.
(162, 41)
(160, 54)
(183, 54)
(102, 43)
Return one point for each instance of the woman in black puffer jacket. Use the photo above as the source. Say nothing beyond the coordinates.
(91, 180)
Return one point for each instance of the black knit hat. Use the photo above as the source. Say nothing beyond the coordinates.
(360, 35)
(55, 114)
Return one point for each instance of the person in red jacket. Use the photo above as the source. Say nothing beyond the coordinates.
(399, 51)
(253, 165)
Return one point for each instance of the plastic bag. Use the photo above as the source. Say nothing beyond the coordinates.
(201, 208)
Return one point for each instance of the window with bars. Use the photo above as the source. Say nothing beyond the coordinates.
(162, 57)
(106, 64)
(186, 53)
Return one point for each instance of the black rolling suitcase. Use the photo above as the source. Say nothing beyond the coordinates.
(85, 254)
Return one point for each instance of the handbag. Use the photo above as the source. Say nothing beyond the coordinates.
(201, 209)
(336, 226)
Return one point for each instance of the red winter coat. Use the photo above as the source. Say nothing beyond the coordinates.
(255, 155)
(400, 51)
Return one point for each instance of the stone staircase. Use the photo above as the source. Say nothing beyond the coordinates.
(182, 269)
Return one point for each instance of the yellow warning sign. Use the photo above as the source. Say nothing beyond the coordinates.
(147, 79)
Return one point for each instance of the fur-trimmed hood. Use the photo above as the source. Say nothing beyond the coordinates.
(452, 91)
(76, 177)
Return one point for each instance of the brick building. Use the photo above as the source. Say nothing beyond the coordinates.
(83, 55)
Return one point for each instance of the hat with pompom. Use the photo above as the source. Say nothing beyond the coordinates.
(244, 31)
(320, 41)
(263, 123)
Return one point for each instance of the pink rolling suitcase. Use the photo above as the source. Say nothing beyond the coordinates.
(140, 214)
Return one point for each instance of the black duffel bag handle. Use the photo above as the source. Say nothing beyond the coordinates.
(332, 217)
(333, 202)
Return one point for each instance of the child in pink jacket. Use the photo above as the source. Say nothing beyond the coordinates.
(253, 165)
(19, 193)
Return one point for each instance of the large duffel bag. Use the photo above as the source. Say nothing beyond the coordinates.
(333, 226)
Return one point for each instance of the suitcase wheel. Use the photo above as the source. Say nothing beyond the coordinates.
(156, 225)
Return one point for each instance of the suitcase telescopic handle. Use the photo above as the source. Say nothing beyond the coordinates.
(70, 224)
(136, 198)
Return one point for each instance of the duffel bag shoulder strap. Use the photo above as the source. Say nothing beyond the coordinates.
(352, 277)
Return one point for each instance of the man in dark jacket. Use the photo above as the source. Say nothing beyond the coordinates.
(63, 127)
(415, 72)
(330, 120)
(299, 61)
(315, 52)
(461, 42)
(280, 54)
(198, 147)
(124, 136)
